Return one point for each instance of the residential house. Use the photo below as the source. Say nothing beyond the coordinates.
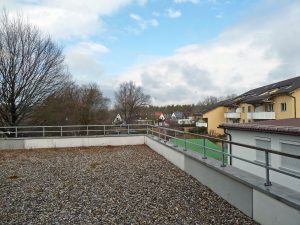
(177, 116)
(279, 135)
(118, 119)
(275, 101)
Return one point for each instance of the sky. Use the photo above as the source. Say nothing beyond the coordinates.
(179, 51)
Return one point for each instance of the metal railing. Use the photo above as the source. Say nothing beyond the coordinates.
(175, 137)
(72, 130)
(167, 134)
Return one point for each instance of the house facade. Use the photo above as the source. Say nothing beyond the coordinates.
(278, 135)
(276, 101)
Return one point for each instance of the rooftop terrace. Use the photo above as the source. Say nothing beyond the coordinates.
(105, 185)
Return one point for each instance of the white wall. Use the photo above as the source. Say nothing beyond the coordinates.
(249, 137)
(71, 142)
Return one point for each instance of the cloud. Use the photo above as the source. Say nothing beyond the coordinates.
(185, 1)
(84, 61)
(260, 50)
(135, 17)
(65, 19)
(173, 13)
(142, 23)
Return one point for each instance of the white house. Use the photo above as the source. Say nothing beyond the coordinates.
(118, 119)
(279, 135)
(162, 117)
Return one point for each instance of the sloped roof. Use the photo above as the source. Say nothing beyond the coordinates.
(179, 115)
(264, 93)
(259, 95)
(284, 126)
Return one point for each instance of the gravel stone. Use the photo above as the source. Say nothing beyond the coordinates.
(105, 185)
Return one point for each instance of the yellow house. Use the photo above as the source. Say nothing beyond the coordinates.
(279, 100)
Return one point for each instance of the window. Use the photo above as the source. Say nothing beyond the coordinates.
(283, 107)
(287, 162)
(249, 108)
(260, 155)
(243, 109)
(270, 108)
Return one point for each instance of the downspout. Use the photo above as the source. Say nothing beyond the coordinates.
(295, 105)
(230, 145)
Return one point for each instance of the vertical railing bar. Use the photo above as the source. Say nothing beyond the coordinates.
(175, 135)
(267, 164)
(61, 131)
(43, 131)
(16, 132)
(204, 149)
(104, 130)
(185, 149)
(223, 155)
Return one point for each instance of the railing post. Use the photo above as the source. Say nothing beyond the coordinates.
(185, 149)
(104, 130)
(159, 132)
(87, 130)
(147, 129)
(204, 149)
(268, 182)
(61, 133)
(175, 135)
(16, 132)
(43, 131)
(128, 129)
(152, 131)
(223, 155)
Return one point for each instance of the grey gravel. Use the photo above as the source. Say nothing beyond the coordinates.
(105, 185)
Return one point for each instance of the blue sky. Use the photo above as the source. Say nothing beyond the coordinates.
(179, 51)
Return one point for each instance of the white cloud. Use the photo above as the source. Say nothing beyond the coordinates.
(259, 51)
(173, 13)
(142, 23)
(84, 61)
(67, 18)
(185, 1)
(135, 17)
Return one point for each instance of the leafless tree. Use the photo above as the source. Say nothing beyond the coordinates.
(129, 100)
(31, 68)
(93, 105)
(73, 105)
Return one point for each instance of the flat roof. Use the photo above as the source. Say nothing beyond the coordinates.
(105, 185)
(283, 126)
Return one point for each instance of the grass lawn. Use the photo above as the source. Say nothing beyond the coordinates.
(197, 146)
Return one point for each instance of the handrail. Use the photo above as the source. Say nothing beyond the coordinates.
(161, 132)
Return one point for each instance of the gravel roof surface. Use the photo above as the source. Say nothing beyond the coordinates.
(104, 185)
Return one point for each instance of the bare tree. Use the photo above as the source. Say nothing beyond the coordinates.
(93, 105)
(129, 100)
(31, 69)
(209, 100)
(73, 105)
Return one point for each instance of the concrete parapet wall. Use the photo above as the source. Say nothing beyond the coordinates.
(63, 142)
(275, 205)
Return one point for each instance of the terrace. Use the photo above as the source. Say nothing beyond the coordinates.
(123, 180)
(105, 185)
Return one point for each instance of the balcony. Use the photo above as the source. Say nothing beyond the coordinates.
(261, 115)
(232, 115)
(201, 124)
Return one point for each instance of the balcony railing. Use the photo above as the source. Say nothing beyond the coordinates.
(201, 124)
(261, 115)
(232, 115)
